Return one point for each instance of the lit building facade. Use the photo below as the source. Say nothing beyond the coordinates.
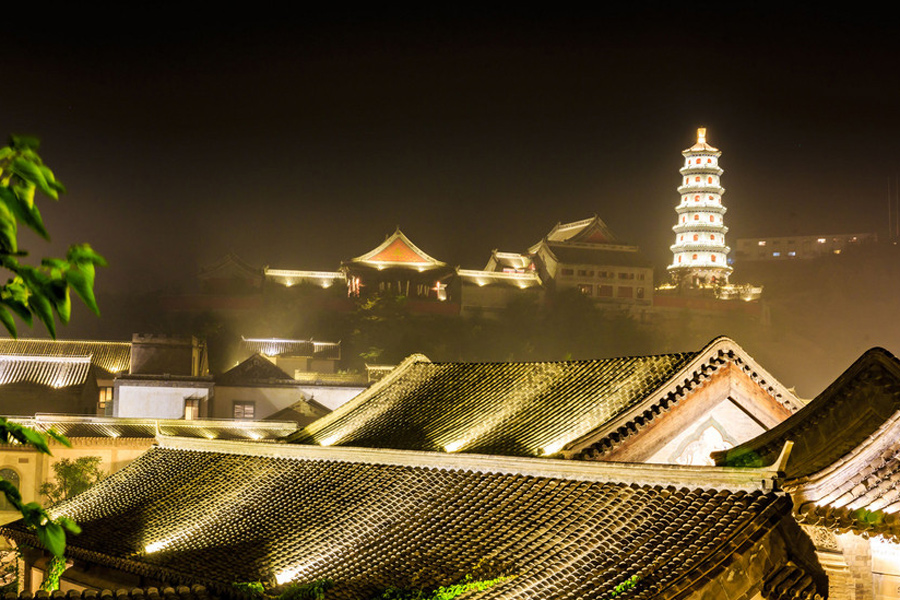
(699, 252)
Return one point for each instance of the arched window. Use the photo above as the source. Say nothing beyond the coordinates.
(696, 217)
(694, 257)
(709, 180)
(713, 257)
(697, 179)
(12, 477)
(712, 237)
(684, 219)
(698, 161)
(708, 160)
(679, 258)
(710, 197)
(696, 237)
(712, 219)
(696, 198)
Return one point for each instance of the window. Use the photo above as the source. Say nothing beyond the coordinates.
(709, 180)
(696, 198)
(821, 240)
(585, 273)
(191, 409)
(713, 257)
(604, 291)
(696, 180)
(776, 254)
(712, 237)
(586, 289)
(106, 397)
(763, 242)
(640, 293)
(568, 271)
(698, 161)
(625, 291)
(12, 477)
(626, 275)
(640, 276)
(696, 237)
(694, 257)
(712, 219)
(792, 253)
(244, 409)
(696, 217)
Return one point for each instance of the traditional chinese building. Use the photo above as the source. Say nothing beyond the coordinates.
(585, 255)
(399, 267)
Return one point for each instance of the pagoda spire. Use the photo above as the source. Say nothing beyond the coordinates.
(699, 254)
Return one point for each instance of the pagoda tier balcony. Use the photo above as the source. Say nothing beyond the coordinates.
(701, 205)
(712, 209)
(701, 170)
(699, 246)
(700, 188)
(704, 268)
(697, 227)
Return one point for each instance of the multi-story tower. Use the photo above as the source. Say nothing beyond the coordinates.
(699, 252)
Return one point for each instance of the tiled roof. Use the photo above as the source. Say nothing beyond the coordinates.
(592, 230)
(577, 255)
(254, 370)
(51, 371)
(103, 427)
(397, 250)
(518, 409)
(283, 347)
(114, 357)
(182, 592)
(844, 469)
(216, 513)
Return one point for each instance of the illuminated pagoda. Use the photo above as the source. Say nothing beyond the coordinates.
(699, 254)
(699, 250)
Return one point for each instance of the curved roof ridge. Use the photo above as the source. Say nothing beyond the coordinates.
(700, 367)
(319, 424)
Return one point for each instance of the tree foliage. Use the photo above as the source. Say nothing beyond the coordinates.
(41, 291)
(72, 478)
(51, 532)
(37, 291)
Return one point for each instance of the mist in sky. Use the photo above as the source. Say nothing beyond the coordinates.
(301, 142)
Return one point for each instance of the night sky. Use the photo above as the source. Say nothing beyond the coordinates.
(299, 142)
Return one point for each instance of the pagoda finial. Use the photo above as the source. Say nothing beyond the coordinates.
(701, 135)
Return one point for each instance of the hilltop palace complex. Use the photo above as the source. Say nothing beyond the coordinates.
(583, 255)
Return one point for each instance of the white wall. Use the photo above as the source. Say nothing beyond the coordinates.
(156, 402)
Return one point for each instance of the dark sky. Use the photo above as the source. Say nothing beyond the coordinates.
(298, 142)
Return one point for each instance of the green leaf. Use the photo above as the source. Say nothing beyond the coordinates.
(11, 492)
(81, 278)
(8, 228)
(53, 537)
(83, 254)
(51, 179)
(21, 203)
(59, 437)
(8, 322)
(24, 142)
(69, 525)
(32, 173)
(28, 436)
(40, 305)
